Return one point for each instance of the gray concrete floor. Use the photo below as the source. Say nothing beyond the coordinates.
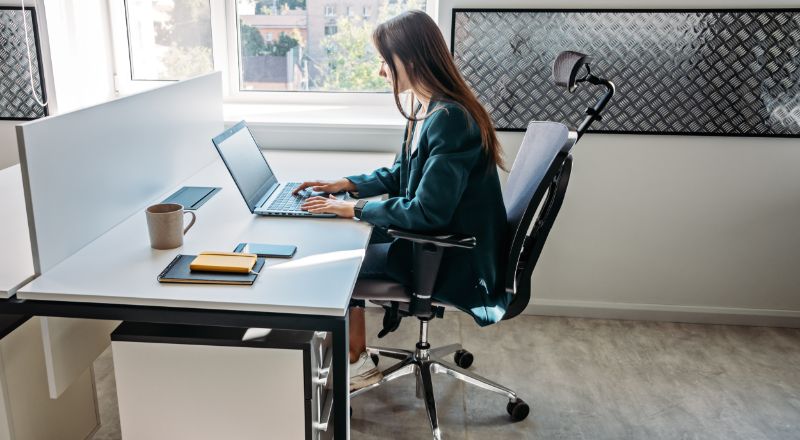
(585, 379)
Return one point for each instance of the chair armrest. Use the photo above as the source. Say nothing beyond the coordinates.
(441, 240)
(427, 257)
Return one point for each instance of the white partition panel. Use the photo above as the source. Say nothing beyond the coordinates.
(30, 412)
(70, 348)
(16, 266)
(86, 171)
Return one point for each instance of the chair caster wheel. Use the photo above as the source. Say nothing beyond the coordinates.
(518, 410)
(375, 358)
(463, 358)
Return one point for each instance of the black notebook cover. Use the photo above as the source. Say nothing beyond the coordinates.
(177, 271)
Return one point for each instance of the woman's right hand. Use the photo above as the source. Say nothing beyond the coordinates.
(328, 186)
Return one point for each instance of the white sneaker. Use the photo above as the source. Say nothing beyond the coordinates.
(364, 372)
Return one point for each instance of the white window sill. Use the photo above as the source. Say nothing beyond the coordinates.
(320, 127)
(311, 115)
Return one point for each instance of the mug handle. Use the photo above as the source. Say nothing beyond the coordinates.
(191, 223)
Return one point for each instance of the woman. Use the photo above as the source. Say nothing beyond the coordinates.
(445, 180)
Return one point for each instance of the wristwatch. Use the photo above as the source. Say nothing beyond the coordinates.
(358, 208)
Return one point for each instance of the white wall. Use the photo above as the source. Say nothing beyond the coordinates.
(77, 59)
(671, 227)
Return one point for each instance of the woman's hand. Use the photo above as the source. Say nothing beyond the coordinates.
(328, 186)
(330, 205)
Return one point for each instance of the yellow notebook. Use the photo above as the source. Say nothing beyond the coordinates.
(224, 262)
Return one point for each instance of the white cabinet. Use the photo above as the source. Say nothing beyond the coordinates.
(206, 383)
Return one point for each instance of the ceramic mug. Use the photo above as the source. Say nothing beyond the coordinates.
(165, 224)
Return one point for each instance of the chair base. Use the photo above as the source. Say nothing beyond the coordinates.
(423, 363)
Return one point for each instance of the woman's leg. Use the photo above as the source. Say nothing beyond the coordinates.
(384, 260)
(374, 266)
(358, 333)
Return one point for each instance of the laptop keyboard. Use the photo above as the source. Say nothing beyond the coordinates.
(286, 201)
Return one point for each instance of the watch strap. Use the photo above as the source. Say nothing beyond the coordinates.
(359, 208)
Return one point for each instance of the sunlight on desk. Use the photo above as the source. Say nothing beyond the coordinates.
(321, 259)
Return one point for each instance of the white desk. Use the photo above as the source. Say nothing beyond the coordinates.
(121, 268)
(114, 276)
(16, 264)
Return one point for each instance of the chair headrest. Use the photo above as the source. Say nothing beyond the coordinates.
(566, 67)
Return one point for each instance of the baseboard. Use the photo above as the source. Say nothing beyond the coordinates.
(658, 312)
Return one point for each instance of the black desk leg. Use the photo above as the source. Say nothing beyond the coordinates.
(341, 379)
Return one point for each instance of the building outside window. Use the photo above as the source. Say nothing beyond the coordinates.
(330, 10)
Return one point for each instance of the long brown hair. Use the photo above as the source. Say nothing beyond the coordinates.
(416, 40)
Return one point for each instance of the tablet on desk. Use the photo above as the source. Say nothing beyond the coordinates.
(192, 197)
(267, 250)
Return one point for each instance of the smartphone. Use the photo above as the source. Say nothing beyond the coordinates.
(267, 250)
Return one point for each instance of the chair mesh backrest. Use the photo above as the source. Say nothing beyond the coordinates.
(542, 167)
(542, 143)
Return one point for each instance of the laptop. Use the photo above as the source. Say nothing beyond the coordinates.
(262, 192)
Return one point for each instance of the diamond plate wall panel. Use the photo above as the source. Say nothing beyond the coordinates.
(16, 100)
(676, 72)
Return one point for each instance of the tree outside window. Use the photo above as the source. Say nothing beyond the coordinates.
(316, 50)
(352, 60)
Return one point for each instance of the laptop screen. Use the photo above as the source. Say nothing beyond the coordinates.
(247, 165)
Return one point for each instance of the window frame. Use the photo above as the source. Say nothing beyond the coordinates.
(225, 50)
(124, 84)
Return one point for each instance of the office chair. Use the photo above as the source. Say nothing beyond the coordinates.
(537, 184)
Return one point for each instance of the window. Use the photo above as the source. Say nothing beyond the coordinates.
(169, 39)
(320, 51)
(260, 45)
(330, 29)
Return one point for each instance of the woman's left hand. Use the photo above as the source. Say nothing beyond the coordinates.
(331, 205)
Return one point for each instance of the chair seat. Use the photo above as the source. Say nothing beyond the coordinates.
(378, 291)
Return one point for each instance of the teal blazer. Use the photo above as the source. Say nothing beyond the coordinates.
(448, 185)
